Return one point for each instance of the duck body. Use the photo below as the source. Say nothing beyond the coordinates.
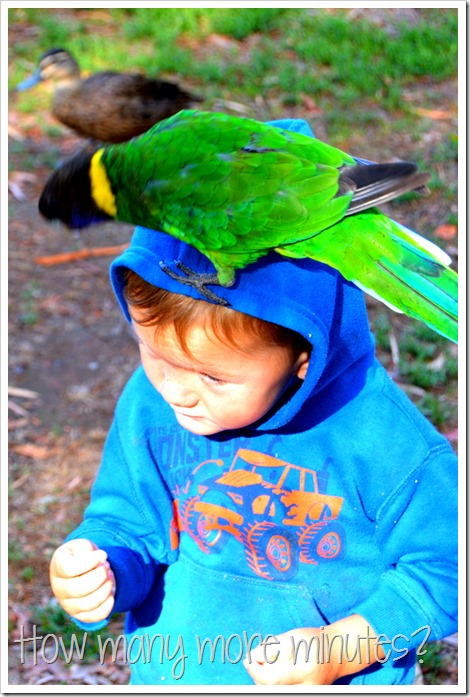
(115, 107)
(107, 106)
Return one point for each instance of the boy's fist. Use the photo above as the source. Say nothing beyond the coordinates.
(82, 580)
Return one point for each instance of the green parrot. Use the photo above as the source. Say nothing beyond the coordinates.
(236, 189)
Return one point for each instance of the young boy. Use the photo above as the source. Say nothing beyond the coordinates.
(270, 507)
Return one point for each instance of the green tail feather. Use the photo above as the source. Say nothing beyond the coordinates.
(376, 254)
(425, 298)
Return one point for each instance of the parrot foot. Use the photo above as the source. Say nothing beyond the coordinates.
(195, 280)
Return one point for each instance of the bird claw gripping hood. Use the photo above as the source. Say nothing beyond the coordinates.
(304, 295)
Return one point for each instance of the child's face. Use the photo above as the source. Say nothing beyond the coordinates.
(217, 388)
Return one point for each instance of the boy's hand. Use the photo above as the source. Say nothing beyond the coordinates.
(82, 580)
(278, 662)
(315, 655)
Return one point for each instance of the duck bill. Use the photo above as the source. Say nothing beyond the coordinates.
(30, 81)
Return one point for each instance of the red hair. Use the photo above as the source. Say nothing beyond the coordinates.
(162, 308)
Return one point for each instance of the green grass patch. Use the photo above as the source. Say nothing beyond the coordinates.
(427, 360)
(52, 619)
(29, 312)
(328, 56)
(434, 663)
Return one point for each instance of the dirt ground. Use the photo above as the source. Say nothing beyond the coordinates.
(70, 350)
(70, 354)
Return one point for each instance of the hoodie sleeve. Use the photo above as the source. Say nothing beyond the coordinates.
(415, 599)
(130, 511)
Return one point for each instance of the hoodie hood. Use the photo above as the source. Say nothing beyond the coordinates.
(306, 296)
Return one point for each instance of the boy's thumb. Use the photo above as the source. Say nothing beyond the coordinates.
(77, 557)
(80, 546)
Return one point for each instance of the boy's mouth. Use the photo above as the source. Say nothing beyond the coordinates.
(187, 414)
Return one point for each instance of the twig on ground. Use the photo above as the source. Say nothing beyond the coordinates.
(21, 392)
(66, 257)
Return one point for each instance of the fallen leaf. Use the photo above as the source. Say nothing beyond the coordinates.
(18, 483)
(446, 232)
(437, 114)
(78, 479)
(15, 133)
(36, 452)
(12, 406)
(21, 392)
(437, 363)
(221, 41)
(16, 423)
(15, 182)
(310, 103)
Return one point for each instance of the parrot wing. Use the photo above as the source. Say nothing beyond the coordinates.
(237, 186)
(395, 265)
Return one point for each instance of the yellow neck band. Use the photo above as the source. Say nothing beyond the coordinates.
(100, 185)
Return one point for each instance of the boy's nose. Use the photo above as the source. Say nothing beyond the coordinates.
(177, 394)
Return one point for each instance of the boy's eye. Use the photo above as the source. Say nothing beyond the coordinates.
(212, 379)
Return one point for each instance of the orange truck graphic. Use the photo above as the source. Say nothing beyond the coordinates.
(273, 508)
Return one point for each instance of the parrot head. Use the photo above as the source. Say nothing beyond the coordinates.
(67, 194)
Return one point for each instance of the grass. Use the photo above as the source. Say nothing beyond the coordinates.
(291, 51)
(355, 71)
(427, 364)
(427, 361)
(51, 619)
(29, 313)
(434, 663)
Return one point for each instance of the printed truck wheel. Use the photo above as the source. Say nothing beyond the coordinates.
(271, 551)
(208, 532)
(204, 526)
(189, 517)
(324, 540)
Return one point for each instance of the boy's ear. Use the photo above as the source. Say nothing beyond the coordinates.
(302, 365)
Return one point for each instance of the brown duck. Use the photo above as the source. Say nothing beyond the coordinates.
(107, 106)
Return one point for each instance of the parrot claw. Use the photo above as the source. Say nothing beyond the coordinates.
(196, 280)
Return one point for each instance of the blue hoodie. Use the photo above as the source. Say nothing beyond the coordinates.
(340, 500)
